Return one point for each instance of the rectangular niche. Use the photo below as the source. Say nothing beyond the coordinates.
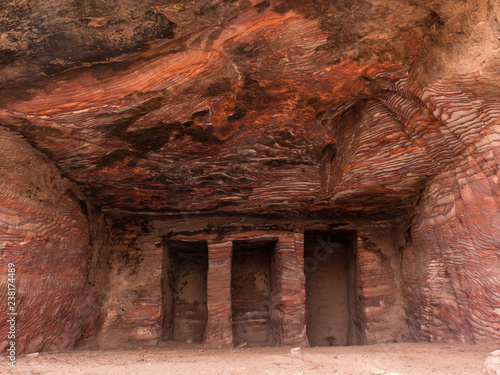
(184, 285)
(251, 291)
(329, 267)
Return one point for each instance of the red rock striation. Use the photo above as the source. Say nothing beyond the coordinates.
(455, 230)
(44, 231)
(226, 121)
(219, 332)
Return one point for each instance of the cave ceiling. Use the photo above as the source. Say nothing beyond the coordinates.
(221, 106)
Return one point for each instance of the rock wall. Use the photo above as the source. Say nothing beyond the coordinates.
(137, 307)
(131, 275)
(379, 288)
(288, 314)
(219, 332)
(438, 151)
(172, 111)
(45, 231)
(452, 270)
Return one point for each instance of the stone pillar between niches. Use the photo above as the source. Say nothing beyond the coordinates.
(288, 311)
(219, 331)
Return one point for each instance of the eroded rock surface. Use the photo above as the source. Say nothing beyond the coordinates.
(362, 114)
(44, 232)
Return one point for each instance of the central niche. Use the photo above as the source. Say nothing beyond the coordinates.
(251, 291)
(329, 267)
(185, 267)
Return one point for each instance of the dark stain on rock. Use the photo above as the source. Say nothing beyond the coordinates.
(59, 36)
(313, 100)
(152, 139)
(214, 35)
(284, 163)
(15, 12)
(432, 19)
(157, 25)
(107, 70)
(200, 115)
(239, 113)
(253, 95)
(116, 155)
(340, 36)
(203, 135)
(7, 56)
(197, 42)
(34, 134)
(18, 94)
(252, 50)
(122, 124)
(220, 87)
(261, 7)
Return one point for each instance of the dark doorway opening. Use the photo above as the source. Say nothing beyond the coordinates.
(251, 291)
(329, 267)
(185, 267)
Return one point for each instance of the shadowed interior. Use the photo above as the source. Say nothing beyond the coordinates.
(328, 267)
(185, 290)
(251, 290)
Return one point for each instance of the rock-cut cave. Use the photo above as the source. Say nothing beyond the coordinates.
(233, 172)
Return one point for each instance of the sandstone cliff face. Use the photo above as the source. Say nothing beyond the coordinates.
(44, 231)
(451, 267)
(455, 256)
(202, 121)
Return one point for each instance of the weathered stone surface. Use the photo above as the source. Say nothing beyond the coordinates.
(377, 317)
(130, 270)
(219, 331)
(221, 118)
(44, 232)
(288, 313)
(367, 115)
(455, 253)
(379, 295)
(492, 363)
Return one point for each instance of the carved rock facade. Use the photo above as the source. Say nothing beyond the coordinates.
(138, 141)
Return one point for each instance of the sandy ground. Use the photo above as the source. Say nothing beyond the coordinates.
(389, 359)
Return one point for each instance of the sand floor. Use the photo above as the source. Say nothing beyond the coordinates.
(185, 359)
